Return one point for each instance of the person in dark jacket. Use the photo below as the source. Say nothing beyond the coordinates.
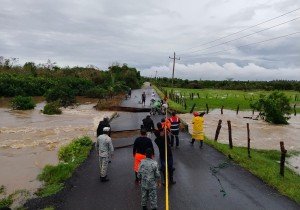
(160, 142)
(141, 144)
(102, 124)
(148, 125)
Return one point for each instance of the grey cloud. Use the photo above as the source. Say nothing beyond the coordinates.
(144, 33)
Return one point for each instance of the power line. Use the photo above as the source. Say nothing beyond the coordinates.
(241, 30)
(246, 35)
(244, 45)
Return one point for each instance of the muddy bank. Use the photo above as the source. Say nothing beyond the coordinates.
(29, 140)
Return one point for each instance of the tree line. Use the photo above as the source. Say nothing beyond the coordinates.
(40, 80)
(228, 84)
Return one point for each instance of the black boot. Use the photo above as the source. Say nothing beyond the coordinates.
(192, 142)
(104, 179)
(201, 144)
(171, 181)
(136, 178)
(144, 207)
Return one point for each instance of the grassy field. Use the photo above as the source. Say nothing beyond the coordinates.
(264, 164)
(230, 99)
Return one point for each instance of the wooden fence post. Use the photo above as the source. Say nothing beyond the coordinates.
(218, 130)
(295, 112)
(207, 109)
(248, 139)
(222, 109)
(282, 158)
(193, 107)
(229, 134)
(237, 109)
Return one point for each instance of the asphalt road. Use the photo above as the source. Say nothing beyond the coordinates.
(196, 187)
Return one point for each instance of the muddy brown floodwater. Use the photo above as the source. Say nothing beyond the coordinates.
(29, 139)
(263, 135)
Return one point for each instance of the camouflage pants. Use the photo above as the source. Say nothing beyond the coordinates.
(103, 164)
(151, 193)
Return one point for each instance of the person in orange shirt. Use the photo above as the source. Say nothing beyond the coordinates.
(141, 144)
(166, 123)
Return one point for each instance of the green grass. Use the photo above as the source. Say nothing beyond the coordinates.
(70, 156)
(230, 99)
(264, 164)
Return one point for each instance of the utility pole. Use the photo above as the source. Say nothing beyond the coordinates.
(155, 75)
(174, 58)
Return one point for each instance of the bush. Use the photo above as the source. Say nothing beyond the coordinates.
(64, 94)
(275, 108)
(96, 92)
(22, 103)
(52, 108)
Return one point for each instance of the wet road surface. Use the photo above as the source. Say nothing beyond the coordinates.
(196, 187)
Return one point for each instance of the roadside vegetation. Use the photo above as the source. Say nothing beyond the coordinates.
(70, 157)
(265, 165)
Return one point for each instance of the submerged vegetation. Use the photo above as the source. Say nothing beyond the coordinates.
(52, 108)
(22, 103)
(6, 201)
(70, 157)
(275, 108)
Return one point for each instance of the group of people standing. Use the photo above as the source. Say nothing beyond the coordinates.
(147, 170)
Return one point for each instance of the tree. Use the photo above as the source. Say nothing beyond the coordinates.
(275, 108)
(30, 66)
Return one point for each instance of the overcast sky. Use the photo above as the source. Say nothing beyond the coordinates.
(144, 33)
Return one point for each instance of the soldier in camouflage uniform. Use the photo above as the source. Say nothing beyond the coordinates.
(105, 148)
(149, 174)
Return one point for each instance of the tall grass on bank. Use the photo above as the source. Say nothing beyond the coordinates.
(265, 165)
(70, 157)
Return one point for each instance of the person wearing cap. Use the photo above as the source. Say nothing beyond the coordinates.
(149, 176)
(175, 123)
(141, 144)
(148, 125)
(198, 133)
(105, 149)
(103, 123)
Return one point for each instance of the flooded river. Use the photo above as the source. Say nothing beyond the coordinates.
(29, 139)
